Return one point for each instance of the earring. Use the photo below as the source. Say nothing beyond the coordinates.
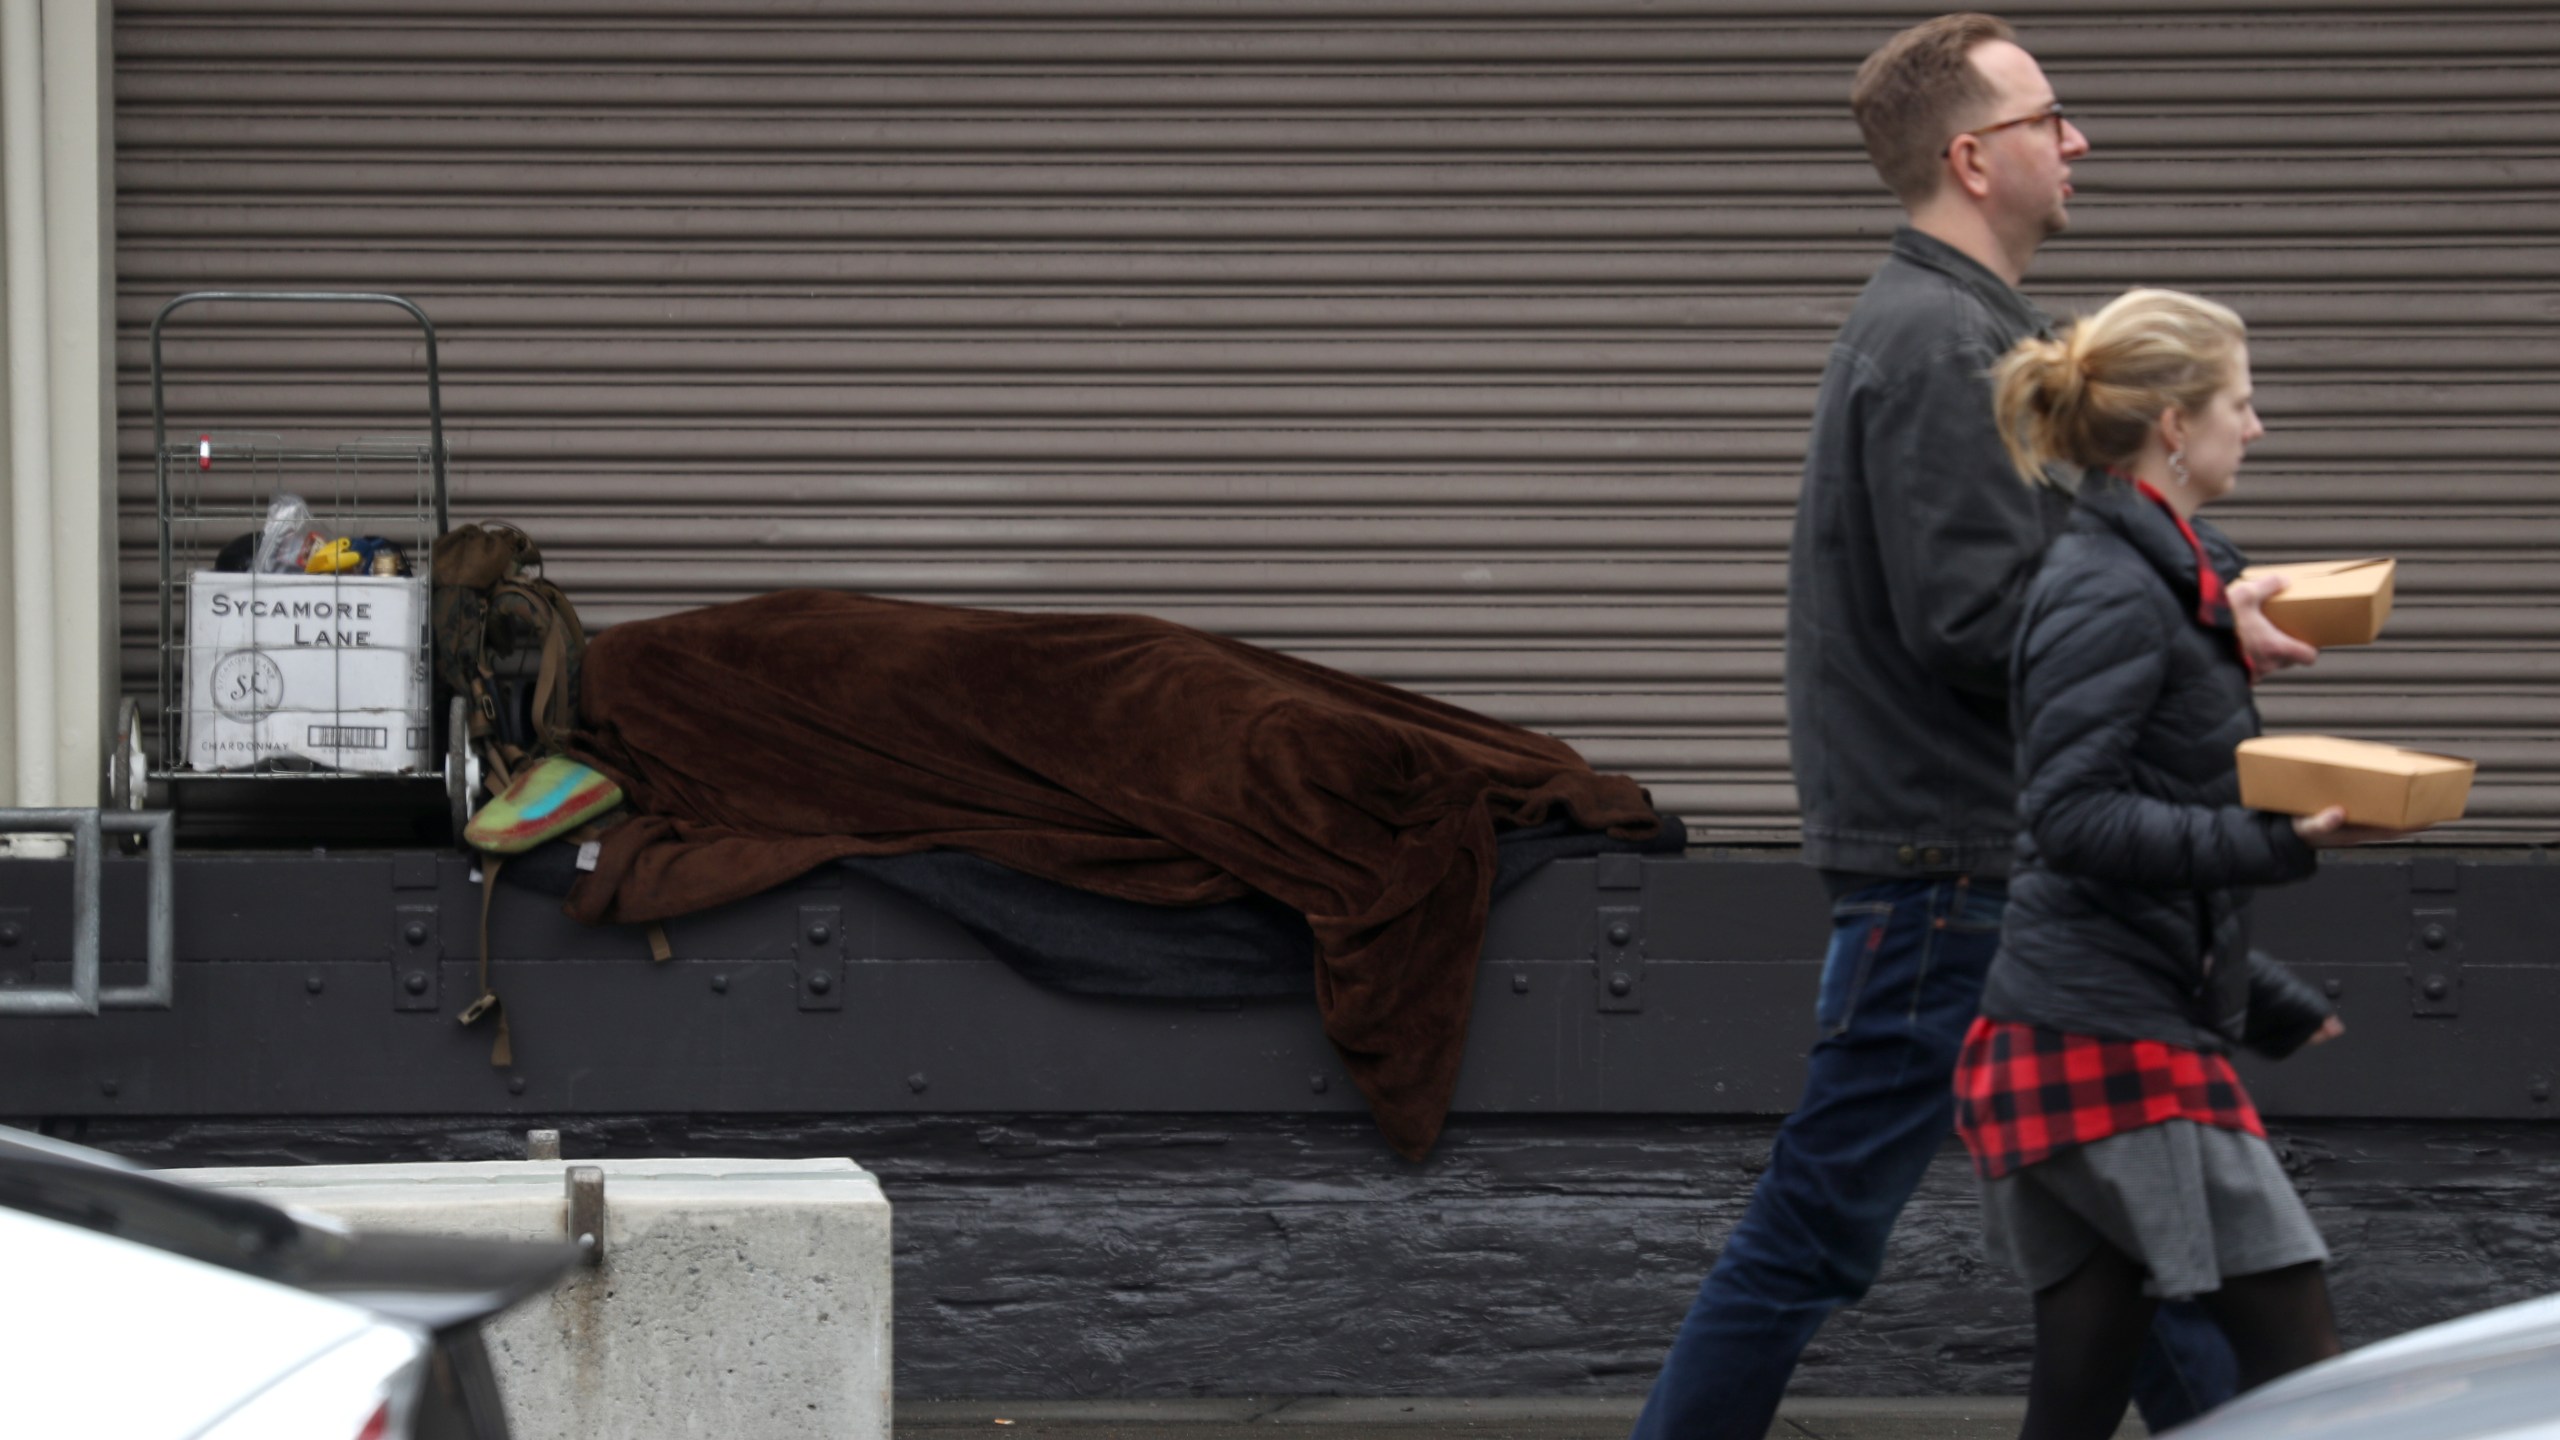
(2178, 467)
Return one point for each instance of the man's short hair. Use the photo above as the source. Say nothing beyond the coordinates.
(1911, 94)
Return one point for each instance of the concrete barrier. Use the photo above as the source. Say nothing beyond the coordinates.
(735, 1298)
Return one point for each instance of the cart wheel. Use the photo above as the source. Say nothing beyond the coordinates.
(461, 767)
(128, 769)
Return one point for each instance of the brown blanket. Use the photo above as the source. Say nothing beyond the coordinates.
(1119, 754)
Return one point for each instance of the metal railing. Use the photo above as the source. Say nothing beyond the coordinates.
(88, 830)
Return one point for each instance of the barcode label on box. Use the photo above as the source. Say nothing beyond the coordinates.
(349, 737)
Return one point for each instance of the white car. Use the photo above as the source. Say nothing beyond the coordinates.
(2490, 1376)
(142, 1309)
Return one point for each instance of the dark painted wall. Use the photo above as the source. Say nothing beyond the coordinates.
(1101, 1255)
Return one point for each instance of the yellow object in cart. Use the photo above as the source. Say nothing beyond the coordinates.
(336, 557)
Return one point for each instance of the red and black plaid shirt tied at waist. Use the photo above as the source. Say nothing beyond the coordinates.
(2025, 1094)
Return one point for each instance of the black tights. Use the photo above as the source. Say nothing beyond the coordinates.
(2090, 1328)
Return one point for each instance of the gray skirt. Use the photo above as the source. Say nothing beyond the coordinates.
(2191, 1203)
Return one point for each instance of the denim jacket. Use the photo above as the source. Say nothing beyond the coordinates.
(1914, 544)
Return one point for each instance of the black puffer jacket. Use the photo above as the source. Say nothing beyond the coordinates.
(2129, 909)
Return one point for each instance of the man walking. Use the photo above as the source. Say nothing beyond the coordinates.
(1914, 543)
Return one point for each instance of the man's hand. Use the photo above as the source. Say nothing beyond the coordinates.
(2269, 649)
(2329, 830)
(2330, 1029)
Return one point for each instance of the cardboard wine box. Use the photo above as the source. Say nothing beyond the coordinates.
(2379, 785)
(327, 668)
(2330, 602)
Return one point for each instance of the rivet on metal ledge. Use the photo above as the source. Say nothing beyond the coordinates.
(1319, 1084)
(314, 984)
(1519, 982)
(917, 1082)
(415, 932)
(719, 984)
(416, 981)
(515, 1084)
(1619, 984)
(2334, 988)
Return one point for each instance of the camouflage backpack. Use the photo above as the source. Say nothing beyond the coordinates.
(509, 642)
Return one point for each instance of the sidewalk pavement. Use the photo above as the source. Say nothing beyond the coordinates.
(1435, 1418)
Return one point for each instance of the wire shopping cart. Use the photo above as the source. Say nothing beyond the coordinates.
(296, 702)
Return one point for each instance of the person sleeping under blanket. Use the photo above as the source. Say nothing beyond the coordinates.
(1121, 756)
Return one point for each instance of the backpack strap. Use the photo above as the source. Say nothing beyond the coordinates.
(502, 1051)
(499, 757)
(564, 643)
(550, 684)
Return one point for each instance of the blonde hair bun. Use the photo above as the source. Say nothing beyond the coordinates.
(2089, 396)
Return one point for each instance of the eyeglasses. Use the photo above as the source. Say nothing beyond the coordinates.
(2052, 113)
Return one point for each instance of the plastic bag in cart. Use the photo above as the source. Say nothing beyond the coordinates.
(291, 534)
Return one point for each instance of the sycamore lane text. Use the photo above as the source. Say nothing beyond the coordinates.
(299, 611)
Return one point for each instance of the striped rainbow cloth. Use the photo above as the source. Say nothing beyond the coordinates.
(554, 797)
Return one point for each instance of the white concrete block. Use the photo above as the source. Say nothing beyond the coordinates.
(737, 1298)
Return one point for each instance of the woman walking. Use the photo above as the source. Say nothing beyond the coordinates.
(2120, 1160)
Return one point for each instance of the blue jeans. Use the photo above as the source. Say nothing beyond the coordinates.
(1899, 990)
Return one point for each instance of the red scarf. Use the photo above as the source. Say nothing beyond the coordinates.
(2213, 606)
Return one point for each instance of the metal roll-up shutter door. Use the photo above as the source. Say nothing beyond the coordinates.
(1468, 345)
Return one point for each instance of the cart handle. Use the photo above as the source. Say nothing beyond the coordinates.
(435, 390)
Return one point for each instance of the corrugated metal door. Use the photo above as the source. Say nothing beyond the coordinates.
(1468, 345)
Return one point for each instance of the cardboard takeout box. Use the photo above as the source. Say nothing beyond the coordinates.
(2330, 602)
(2379, 785)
